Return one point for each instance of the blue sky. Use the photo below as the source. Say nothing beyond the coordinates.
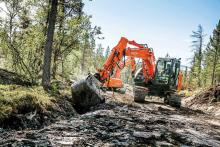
(165, 25)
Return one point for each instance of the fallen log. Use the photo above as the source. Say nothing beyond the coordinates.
(8, 77)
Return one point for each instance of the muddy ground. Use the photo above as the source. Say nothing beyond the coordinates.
(121, 122)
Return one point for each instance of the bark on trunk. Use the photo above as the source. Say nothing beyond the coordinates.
(57, 52)
(83, 60)
(214, 67)
(200, 61)
(48, 45)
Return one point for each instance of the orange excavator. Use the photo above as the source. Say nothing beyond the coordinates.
(130, 61)
(161, 78)
(120, 51)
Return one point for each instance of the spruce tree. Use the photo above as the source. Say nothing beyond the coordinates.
(197, 44)
(214, 51)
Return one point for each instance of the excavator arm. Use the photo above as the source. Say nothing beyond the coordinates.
(129, 61)
(118, 53)
(115, 81)
(148, 60)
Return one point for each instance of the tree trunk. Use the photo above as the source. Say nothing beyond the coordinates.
(55, 64)
(83, 60)
(84, 56)
(48, 45)
(214, 67)
(216, 58)
(185, 76)
(200, 61)
(57, 51)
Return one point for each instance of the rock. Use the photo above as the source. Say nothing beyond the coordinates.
(118, 143)
(31, 135)
(157, 135)
(29, 142)
(146, 135)
(85, 94)
(217, 113)
(141, 127)
(164, 144)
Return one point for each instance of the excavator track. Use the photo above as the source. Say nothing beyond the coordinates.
(140, 93)
(173, 99)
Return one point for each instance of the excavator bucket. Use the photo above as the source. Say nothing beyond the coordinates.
(86, 93)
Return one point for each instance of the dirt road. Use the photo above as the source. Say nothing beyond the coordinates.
(121, 122)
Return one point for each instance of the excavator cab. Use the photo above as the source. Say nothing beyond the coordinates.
(166, 73)
(164, 82)
(165, 77)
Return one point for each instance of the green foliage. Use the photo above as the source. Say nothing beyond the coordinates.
(23, 33)
(212, 57)
(196, 69)
(13, 98)
(107, 52)
(99, 57)
(205, 70)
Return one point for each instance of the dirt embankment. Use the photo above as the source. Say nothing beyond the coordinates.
(31, 107)
(206, 100)
(121, 122)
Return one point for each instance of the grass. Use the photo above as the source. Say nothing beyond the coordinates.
(19, 99)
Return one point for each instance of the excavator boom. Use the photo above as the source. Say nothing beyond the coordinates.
(120, 51)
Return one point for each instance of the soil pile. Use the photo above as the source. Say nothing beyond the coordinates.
(207, 100)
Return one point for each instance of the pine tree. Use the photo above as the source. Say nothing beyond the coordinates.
(214, 52)
(107, 51)
(99, 56)
(197, 44)
(99, 51)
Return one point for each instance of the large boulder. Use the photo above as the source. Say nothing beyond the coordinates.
(86, 94)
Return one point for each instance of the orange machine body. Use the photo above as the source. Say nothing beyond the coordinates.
(180, 81)
(115, 81)
(118, 53)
